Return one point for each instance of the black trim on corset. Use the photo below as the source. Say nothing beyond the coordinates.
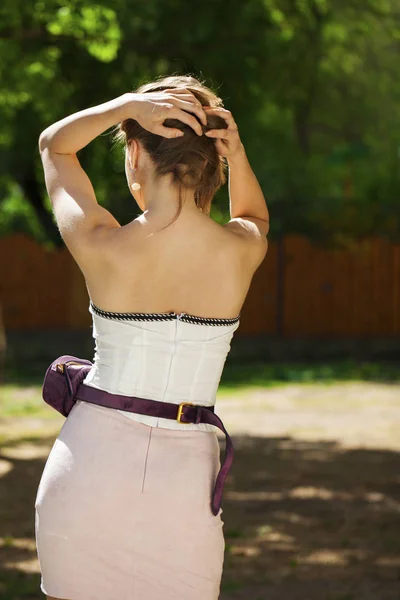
(163, 317)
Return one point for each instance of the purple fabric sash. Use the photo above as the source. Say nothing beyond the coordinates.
(167, 410)
(63, 385)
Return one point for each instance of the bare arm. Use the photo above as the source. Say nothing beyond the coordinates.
(76, 131)
(80, 219)
(83, 223)
(71, 134)
(248, 209)
(245, 194)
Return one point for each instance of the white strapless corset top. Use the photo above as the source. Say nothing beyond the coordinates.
(161, 356)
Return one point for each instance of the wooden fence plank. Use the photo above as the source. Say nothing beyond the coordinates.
(351, 292)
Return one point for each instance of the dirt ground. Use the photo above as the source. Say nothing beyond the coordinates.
(311, 507)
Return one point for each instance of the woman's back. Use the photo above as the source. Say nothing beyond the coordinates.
(194, 266)
(165, 308)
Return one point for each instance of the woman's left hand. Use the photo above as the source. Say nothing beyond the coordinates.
(151, 109)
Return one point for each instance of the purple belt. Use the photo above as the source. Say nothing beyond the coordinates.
(183, 413)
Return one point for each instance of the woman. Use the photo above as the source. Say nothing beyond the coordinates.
(123, 505)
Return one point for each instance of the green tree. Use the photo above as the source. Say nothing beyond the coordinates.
(311, 83)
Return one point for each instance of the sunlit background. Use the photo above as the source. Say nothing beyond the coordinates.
(311, 387)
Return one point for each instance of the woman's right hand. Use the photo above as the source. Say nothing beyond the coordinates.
(151, 109)
(227, 141)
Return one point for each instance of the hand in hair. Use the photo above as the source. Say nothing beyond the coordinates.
(227, 141)
(151, 109)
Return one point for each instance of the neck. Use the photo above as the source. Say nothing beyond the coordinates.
(157, 198)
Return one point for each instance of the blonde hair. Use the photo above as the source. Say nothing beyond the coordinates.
(192, 159)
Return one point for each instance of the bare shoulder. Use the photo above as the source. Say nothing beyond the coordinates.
(104, 246)
(250, 234)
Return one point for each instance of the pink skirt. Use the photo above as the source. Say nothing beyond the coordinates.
(123, 511)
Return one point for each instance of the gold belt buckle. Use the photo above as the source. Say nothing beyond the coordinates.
(180, 409)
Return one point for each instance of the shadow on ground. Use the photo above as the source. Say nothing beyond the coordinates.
(303, 521)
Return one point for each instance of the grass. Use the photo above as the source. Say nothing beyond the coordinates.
(19, 401)
(272, 375)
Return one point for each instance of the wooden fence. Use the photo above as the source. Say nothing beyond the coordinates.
(300, 290)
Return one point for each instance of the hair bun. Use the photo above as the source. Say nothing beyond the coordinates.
(192, 159)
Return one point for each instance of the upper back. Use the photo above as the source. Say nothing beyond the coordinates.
(194, 265)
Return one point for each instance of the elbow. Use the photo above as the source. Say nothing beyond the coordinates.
(44, 141)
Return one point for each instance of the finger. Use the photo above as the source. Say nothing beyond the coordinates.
(181, 115)
(225, 114)
(192, 107)
(178, 90)
(221, 147)
(168, 132)
(183, 93)
(222, 134)
(188, 101)
(218, 109)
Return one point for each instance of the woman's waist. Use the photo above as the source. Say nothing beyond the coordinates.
(133, 421)
(142, 413)
(172, 390)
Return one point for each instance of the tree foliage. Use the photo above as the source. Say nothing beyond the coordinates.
(312, 84)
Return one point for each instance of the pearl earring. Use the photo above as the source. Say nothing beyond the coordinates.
(135, 186)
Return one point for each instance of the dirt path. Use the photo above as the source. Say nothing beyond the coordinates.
(358, 414)
(312, 510)
(311, 506)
